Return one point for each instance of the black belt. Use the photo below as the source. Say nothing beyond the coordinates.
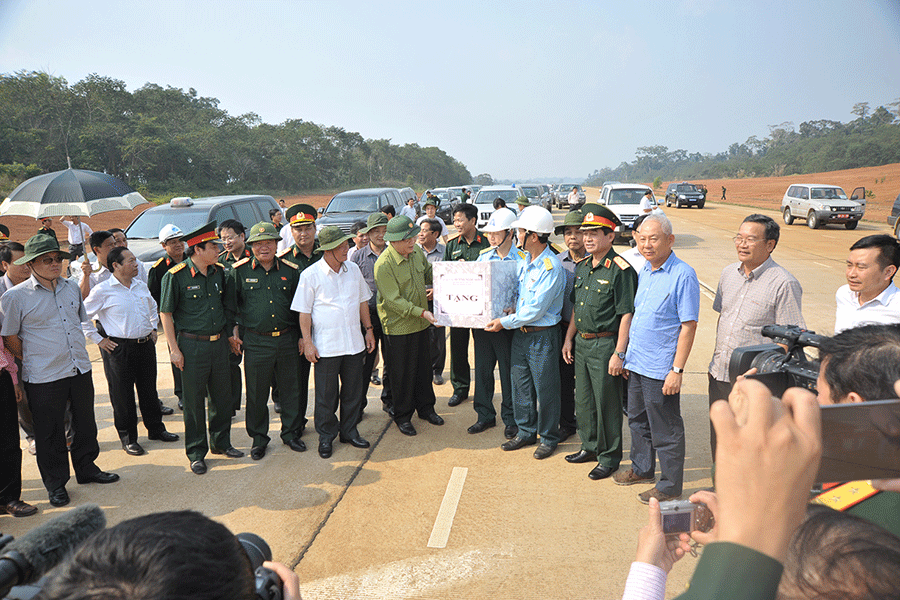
(203, 338)
(271, 333)
(142, 340)
(527, 329)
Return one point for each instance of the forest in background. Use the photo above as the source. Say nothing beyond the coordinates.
(163, 140)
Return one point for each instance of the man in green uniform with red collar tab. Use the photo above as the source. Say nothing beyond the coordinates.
(193, 315)
(259, 291)
(467, 245)
(302, 220)
(603, 298)
(233, 235)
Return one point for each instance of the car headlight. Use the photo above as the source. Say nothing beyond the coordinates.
(682, 197)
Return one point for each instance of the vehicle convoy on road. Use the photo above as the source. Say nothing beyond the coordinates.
(624, 199)
(346, 208)
(484, 200)
(821, 204)
(685, 194)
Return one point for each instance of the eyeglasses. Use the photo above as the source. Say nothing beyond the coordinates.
(47, 260)
(740, 241)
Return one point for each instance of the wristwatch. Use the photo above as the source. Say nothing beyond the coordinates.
(621, 355)
(677, 370)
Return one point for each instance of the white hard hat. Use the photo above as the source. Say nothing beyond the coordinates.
(501, 220)
(536, 219)
(169, 232)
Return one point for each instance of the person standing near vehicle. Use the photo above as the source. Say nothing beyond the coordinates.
(193, 316)
(170, 239)
(258, 296)
(574, 198)
(78, 234)
(646, 205)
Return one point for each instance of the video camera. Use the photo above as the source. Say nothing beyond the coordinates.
(777, 368)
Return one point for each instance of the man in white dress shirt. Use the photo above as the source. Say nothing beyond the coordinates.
(78, 235)
(870, 295)
(128, 314)
(92, 273)
(333, 300)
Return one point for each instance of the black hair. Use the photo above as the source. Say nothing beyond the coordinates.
(469, 211)
(433, 225)
(865, 360)
(236, 226)
(888, 245)
(835, 555)
(115, 256)
(354, 229)
(273, 212)
(116, 230)
(98, 237)
(638, 221)
(773, 230)
(163, 556)
(499, 203)
(389, 210)
(7, 249)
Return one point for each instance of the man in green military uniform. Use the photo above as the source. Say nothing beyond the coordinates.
(258, 295)
(170, 239)
(466, 245)
(233, 235)
(603, 298)
(193, 315)
(302, 220)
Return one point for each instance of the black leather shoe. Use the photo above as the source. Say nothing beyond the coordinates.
(325, 448)
(376, 380)
(510, 431)
(406, 428)
(59, 497)
(543, 451)
(198, 466)
(565, 433)
(230, 452)
(481, 426)
(134, 449)
(438, 379)
(357, 442)
(101, 477)
(518, 442)
(582, 456)
(600, 472)
(180, 404)
(166, 410)
(457, 399)
(296, 444)
(257, 452)
(17, 508)
(433, 418)
(164, 436)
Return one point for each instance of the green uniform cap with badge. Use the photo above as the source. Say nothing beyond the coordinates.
(264, 230)
(523, 201)
(38, 245)
(331, 237)
(204, 233)
(597, 215)
(376, 219)
(400, 228)
(431, 201)
(573, 219)
(300, 214)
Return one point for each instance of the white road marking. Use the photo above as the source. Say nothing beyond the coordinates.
(444, 521)
(821, 265)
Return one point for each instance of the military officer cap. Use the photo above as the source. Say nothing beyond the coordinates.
(38, 245)
(376, 219)
(4, 233)
(300, 214)
(204, 233)
(573, 219)
(400, 228)
(431, 201)
(331, 237)
(523, 201)
(597, 215)
(263, 231)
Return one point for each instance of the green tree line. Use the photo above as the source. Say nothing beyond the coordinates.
(872, 139)
(165, 139)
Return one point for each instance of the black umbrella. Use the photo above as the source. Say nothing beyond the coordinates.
(73, 192)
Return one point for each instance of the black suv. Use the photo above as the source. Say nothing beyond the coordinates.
(684, 194)
(351, 206)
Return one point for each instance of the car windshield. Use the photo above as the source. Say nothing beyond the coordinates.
(488, 196)
(530, 191)
(444, 195)
(829, 193)
(626, 196)
(149, 222)
(686, 188)
(352, 203)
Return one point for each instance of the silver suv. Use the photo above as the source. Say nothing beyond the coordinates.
(821, 204)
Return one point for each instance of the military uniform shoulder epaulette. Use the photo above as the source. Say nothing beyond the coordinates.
(218, 264)
(290, 264)
(159, 262)
(284, 252)
(178, 267)
(453, 237)
(623, 264)
(556, 247)
(548, 264)
(488, 249)
(583, 258)
(520, 253)
(243, 261)
(223, 253)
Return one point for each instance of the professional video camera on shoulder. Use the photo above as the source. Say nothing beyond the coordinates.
(781, 364)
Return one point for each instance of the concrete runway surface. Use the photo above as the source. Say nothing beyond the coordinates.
(445, 514)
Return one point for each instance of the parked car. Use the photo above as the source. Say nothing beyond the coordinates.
(624, 200)
(684, 194)
(346, 208)
(484, 200)
(189, 213)
(894, 218)
(536, 194)
(821, 204)
(445, 208)
(562, 196)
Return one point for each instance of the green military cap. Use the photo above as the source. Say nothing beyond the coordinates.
(38, 245)
(300, 214)
(573, 219)
(523, 201)
(264, 230)
(431, 201)
(204, 233)
(400, 228)
(376, 219)
(597, 215)
(331, 237)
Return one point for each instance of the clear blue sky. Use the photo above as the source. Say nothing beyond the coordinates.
(518, 90)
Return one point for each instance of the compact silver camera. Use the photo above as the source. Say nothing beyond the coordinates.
(681, 516)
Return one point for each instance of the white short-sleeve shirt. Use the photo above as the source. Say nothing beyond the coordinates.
(884, 309)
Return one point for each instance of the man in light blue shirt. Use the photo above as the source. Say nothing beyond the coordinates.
(667, 307)
(534, 356)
